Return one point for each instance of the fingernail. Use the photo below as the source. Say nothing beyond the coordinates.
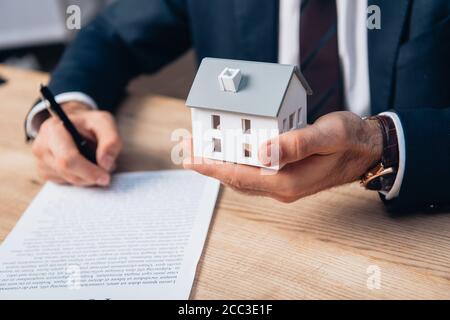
(103, 181)
(108, 162)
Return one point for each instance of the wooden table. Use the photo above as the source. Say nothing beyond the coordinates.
(322, 247)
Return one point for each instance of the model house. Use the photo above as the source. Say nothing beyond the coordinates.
(238, 105)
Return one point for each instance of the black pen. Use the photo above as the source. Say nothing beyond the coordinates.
(82, 143)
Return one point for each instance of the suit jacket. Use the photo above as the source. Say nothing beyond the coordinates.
(408, 63)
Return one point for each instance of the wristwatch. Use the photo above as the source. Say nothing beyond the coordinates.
(381, 177)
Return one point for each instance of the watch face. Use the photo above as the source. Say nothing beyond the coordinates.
(383, 182)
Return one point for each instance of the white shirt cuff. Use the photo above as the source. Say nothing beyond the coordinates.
(395, 190)
(33, 122)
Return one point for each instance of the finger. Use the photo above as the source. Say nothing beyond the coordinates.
(44, 161)
(48, 174)
(47, 164)
(290, 147)
(249, 192)
(70, 164)
(276, 196)
(49, 171)
(239, 176)
(109, 143)
(39, 148)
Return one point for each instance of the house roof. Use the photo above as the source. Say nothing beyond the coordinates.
(261, 91)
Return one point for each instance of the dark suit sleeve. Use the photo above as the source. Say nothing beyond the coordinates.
(129, 38)
(426, 181)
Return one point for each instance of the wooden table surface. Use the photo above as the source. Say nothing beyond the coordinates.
(321, 247)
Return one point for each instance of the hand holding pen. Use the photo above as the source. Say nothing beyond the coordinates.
(78, 145)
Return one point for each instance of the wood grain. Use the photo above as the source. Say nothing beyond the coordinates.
(317, 248)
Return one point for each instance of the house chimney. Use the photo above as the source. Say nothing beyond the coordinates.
(229, 79)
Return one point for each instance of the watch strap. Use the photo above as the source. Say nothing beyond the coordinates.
(382, 176)
(390, 157)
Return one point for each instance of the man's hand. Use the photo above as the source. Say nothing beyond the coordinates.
(58, 157)
(337, 149)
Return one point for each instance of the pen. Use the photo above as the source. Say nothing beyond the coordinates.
(82, 144)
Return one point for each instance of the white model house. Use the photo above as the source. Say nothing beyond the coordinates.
(238, 105)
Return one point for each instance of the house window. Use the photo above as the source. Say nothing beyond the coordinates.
(299, 117)
(284, 125)
(215, 121)
(247, 149)
(246, 126)
(291, 121)
(217, 145)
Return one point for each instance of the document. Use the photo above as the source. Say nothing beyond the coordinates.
(141, 238)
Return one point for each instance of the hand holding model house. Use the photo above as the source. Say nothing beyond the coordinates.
(247, 115)
(238, 105)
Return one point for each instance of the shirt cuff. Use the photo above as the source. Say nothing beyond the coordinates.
(395, 190)
(35, 116)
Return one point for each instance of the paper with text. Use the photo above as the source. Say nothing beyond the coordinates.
(140, 239)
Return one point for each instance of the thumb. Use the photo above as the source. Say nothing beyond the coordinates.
(290, 147)
(108, 139)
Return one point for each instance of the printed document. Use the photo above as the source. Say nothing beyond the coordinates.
(141, 238)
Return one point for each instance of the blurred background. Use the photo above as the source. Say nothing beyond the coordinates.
(33, 35)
